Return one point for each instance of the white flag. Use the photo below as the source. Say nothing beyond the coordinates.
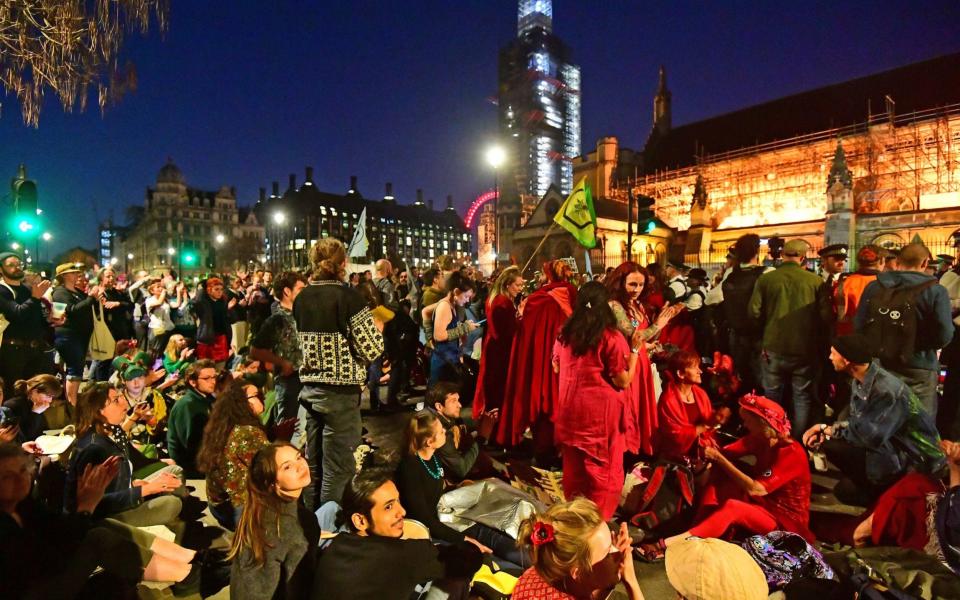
(359, 244)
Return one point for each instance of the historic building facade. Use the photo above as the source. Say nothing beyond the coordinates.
(190, 230)
(414, 234)
(871, 160)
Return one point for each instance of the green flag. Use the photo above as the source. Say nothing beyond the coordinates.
(578, 216)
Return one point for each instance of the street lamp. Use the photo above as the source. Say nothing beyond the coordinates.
(171, 251)
(220, 238)
(495, 158)
(47, 236)
(279, 218)
(15, 246)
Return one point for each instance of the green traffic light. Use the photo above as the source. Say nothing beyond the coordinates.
(650, 227)
(189, 258)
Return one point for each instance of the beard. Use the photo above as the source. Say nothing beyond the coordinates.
(15, 274)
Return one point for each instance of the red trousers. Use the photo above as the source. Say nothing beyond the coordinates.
(594, 479)
(218, 351)
(752, 517)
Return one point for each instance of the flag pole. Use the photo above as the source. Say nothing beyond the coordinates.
(540, 245)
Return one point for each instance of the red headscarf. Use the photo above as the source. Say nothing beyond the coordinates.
(769, 411)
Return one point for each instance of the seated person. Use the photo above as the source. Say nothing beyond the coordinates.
(371, 561)
(189, 416)
(50, 555)
(772, 494)
(713, 569)
(31, 398)
(685, 416)
(274, 549)
(147, 408)
(905, 516)
(137, 502)
(887, 433)
(461, 454)
(575, 555)
(420, 479)
(231, 438)
(177, 356)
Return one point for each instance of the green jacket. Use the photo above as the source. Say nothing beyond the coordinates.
(784, 302)
(185, 430)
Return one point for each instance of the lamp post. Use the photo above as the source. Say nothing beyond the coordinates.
(495, 158)
(218, 242)
(279, 218)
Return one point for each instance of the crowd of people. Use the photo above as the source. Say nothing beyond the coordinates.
(716, 397)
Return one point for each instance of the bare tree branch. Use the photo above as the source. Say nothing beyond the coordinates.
(69, 47)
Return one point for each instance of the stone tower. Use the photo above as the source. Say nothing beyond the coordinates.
(840, 222)
(661, 104)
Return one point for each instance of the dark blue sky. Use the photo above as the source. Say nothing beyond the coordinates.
(398, 91)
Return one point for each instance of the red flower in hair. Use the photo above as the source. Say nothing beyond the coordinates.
(542, 533)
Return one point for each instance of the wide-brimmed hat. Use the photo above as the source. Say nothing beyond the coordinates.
(73, 267)
(712, 569)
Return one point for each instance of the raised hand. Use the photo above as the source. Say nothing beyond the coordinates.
(93, 483)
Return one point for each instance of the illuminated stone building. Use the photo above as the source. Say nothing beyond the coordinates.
(410, 233)
(871, 160)
(193, 230)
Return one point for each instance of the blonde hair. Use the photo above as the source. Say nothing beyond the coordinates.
(509, 275)
(573, 523)
(171, 350)
(328, 256)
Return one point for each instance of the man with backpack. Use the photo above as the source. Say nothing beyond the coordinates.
(736, 289)
(785, 302)
(905, 315)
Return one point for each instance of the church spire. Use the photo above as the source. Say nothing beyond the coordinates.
(661, 104)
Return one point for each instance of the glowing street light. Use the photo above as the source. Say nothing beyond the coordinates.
(220, 239)
(47, 236)
(15, 246)
(171, 251)
(114, 260)
(279, 218)
(495, 156)
(130, 256)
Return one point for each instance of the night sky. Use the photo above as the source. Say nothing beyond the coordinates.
(400, 90)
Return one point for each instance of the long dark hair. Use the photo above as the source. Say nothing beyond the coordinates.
(89, 404)
(261, 495)
(231, 409)
(590, 318)
(616, 284)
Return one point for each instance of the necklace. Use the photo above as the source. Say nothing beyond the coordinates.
(435, 474)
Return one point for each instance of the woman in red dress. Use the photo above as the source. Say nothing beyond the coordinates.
(595, 365)
(773, 494)
(626, 285)
(495, 355)
(686, 417)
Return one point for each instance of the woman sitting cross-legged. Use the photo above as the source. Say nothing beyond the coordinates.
(275, 548)
(575, 555)
(232, 436)
(773, 494)
(420, 481)
(49, 555)
(101, 410)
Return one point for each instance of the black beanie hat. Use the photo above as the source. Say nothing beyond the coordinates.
(853, 347)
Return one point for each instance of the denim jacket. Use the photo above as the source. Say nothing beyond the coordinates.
(888, 420)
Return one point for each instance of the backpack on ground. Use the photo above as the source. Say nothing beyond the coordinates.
(784, 556)
(892, 322)
(737, 289)
(657, 497)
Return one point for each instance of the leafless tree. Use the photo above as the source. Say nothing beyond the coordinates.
(70, 47)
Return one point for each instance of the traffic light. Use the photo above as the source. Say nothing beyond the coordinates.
(25, 222)
(646, 219)
(189, 257)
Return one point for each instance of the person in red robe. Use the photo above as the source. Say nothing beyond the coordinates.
(596, 365)
(687, 420)
(502, 321)
(532, 387)
(626, 285)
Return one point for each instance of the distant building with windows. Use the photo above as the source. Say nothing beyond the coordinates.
(190, 230)
(109, 243)
(414, 234)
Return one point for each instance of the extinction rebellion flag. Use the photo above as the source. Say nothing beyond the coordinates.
(578, 216)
